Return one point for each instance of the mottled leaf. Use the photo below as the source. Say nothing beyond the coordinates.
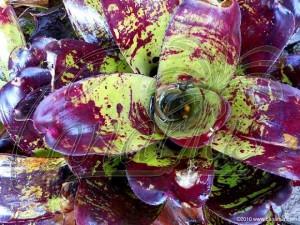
(202, 44)
(30, 188)
(241, 192)
(287, 70)
(72, 60)
(88, 20)
(157, 172)
(138, 27)
(266, 27)
(11, 37)
(263, 130)
(100, 201)
(102, 115)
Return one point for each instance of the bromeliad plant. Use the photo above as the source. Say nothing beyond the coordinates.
(163, 92)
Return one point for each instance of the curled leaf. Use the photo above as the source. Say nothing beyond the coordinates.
(157, 173)
(287, 70)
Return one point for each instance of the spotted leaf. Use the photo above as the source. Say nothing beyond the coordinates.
(102, 115)
(202, 44)
(74, 60)
(138, 28)
(263, 129)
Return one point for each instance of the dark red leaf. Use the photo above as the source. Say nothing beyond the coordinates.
(103, 201)
(266, 27)
(100, 115)
(157, 173)
(263, 130)
(138, 28)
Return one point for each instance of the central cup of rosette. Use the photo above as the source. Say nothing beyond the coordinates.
(189, 114)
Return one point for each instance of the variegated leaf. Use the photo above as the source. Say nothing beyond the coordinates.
(100, 115)
(138, 27)
(263, 130)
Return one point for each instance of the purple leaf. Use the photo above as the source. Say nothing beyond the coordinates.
(157, 173)
(287, 70)
(101, 201)
(263, 130)
(138, 28)
(266, 27)
(199, 51)
(99, 115)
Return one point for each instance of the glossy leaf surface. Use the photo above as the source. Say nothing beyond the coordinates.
(294, 7)
(11, 37)
(72, 60)
(241, 191)
(88, 20)
(263, 130)
(157, 173)
(138, 28)
(100, 201)
(202, 44)
(30, 188)
(28, 89)
(102, 115)
(266, 27)
(53, 23)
